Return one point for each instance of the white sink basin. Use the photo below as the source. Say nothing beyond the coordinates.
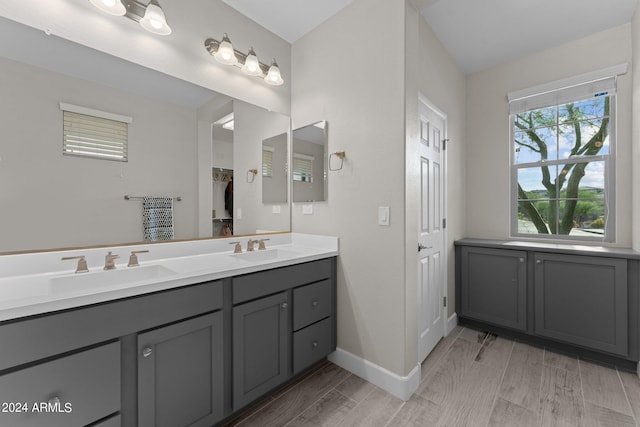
(102, 278)
(264, 255)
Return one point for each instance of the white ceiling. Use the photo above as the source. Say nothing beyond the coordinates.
(289, 19)
(482, 34)
(478, 34)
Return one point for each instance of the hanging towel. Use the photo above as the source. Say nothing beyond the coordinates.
(157, 218)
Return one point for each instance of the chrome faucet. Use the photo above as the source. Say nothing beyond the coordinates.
(237, 249)
(82, 263)
(109, 261)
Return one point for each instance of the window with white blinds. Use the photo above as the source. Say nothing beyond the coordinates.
(95, 134)
(267, 161)
(302, 167)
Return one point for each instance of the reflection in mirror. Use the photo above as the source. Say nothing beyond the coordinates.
(274, 169)
(50, 200)
(309, 168)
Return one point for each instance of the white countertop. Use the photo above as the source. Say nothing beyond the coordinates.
(41, 282)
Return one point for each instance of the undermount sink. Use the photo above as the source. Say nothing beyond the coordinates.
(106, 278)
(264, 255)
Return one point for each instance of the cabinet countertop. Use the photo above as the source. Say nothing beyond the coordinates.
(572, 249)
(31, 294)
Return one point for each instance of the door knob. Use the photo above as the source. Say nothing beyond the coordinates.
(421, 247)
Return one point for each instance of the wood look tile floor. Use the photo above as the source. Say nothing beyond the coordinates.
(470, 379)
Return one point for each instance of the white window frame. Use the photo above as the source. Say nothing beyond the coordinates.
(559, 93)
(267, 161)
(99, 135)
(298, 172)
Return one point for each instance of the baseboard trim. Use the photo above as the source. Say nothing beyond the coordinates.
(451, 323)
(399, 386)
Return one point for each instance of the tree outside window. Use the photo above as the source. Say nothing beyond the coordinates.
(561, 161)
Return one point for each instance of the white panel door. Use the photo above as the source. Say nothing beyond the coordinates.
(431, 230)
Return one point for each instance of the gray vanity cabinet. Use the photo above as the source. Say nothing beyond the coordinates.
(261, 347)
(283, 323)
(582, 300)
(180, 374)
(76, 389)
(494, 286)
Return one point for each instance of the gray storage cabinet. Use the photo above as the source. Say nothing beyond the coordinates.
(283, 323)
(582, 300)
(261, 347)
(494, 286)
(574, 298)
(180, 374)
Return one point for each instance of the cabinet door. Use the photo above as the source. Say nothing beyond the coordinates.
(493, 284)
(261, 347)
(582, 300)
(180, 372)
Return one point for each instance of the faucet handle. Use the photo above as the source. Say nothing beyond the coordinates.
(237, 249)
(133, 259)
(82, 263)
(261, 245)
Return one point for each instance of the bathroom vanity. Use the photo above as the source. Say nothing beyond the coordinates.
(576, 298)
(188, 348)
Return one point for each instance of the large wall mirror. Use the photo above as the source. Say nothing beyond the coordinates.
(175, 149)
(309, 162)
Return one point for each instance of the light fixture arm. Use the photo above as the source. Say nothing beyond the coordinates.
(212, 46)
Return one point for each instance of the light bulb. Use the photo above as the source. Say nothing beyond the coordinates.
(225, 53)
(251, 65)
(112, 7)
(273, 76)
(154, 20)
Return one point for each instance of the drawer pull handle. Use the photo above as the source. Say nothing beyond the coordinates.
(314, 344)
(284, 306)
(147, 352)
(54, 401)
(314, 304)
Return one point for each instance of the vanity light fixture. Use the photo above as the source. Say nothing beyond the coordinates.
(248, 63)
(112, 7)
(150, 16)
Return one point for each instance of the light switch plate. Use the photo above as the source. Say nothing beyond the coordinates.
(307, 209)
(383, 215)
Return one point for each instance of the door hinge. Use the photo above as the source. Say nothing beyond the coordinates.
(444, 301)
(444, 222)
(444, 143)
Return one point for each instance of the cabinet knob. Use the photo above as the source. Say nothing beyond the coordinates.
(314, 344)
(521, 259)
(314, 303)
(147, 352)
(538, 261)
(284, 306)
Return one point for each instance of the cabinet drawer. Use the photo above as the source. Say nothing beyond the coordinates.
(311, 303)
(311, 344)
(256, 285)
(71, 391)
